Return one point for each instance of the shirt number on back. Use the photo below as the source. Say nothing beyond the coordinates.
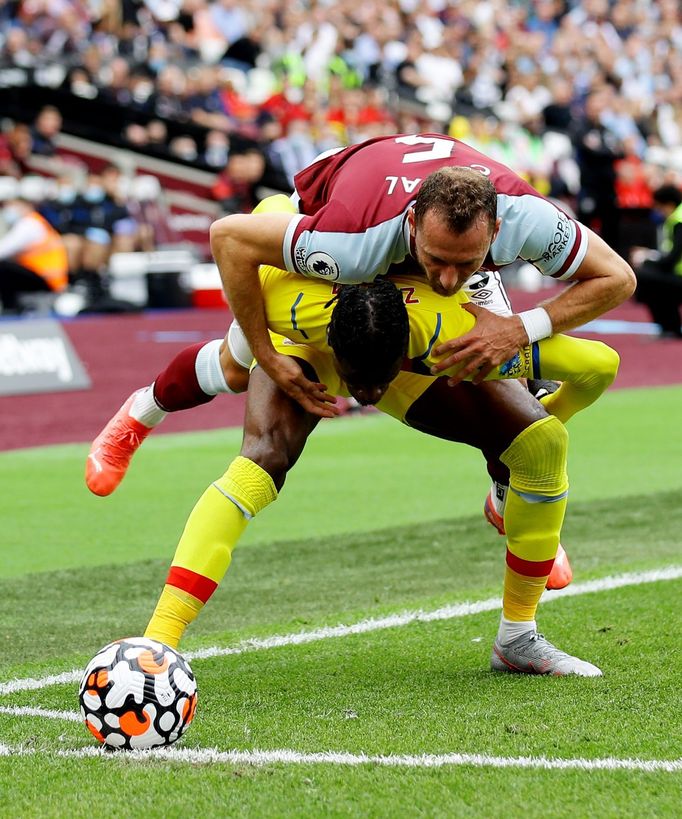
(438, 148)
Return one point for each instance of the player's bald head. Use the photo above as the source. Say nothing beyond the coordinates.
(460, 196)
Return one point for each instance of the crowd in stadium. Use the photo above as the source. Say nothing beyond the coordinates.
(582, 98)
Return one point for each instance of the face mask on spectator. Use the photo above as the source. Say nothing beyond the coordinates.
(216, 156)
(66, 195)
(186, 152)
(84, 89)
(93, 193)
(142, 91)
(11, 216)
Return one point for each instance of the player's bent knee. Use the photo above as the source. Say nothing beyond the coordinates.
(273, 458)
(537, 459)
(606, 363)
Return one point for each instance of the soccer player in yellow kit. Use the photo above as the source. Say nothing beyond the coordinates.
(299, 313)
(530, 443)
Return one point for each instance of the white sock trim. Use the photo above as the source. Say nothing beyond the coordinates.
(510, 630)
(239, 346)
(145, 409)
(208, 369)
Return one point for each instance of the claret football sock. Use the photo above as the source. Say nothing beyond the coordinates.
(192, 378)
(205, 549)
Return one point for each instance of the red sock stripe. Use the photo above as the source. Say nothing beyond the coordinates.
(195, 584)
(529, 568)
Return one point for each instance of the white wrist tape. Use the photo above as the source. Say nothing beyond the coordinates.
(537, 324)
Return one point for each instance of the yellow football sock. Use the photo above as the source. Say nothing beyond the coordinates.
(205, 549)
(585, 368)
(535, 511)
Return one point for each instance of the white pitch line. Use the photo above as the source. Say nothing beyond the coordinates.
(46, 713)
(204, 756)
(372, 624)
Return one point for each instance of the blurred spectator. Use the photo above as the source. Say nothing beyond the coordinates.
(204, 101)
(157, 134)
(115, 83)
(217, 148)
(183, 147)
(407, 74)
(558, 113)
(289, 103)
(96, 223)
(32, 255)
(15, 150)
(47, 126)
(243, 53)
(170, 87)
(79, 83)
(239, 113)
(136, 135)
(236, 186)
(659, 273)
(18, 51)
(632, 181)
(141, 91)
(215, 64)
(295, 151)
(598, 149)
(229, 19)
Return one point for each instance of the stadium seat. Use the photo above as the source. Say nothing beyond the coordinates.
(136, 277)
(37, 304)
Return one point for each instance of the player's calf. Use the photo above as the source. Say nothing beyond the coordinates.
(493, 510)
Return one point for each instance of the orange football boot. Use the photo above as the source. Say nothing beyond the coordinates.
(561, 574)
(112, 449)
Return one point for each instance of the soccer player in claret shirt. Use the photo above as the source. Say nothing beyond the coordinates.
(433, 206)
(494, 418)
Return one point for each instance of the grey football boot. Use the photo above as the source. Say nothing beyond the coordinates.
(531, 653)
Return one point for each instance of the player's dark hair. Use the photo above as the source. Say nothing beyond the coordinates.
(369, 328)
(459, 195)
(667, 195)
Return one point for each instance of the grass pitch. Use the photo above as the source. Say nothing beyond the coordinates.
(375, 520)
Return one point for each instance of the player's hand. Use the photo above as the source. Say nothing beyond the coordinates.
(311, 395)
(492, 341)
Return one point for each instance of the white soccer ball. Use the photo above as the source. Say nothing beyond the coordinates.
(137, 693)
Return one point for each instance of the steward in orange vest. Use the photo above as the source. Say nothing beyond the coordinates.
(32, 254)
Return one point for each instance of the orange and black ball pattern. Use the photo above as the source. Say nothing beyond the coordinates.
(137, 693)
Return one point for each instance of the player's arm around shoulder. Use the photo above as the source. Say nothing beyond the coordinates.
(240, 244)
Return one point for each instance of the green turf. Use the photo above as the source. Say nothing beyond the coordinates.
(356, 475)
(376, 519)
(297, 584)
(418, 689)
